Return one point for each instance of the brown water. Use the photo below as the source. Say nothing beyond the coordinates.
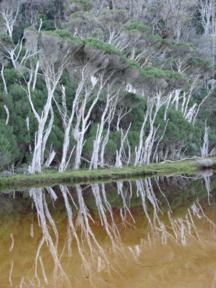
(146, 233)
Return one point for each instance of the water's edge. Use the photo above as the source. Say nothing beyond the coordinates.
(53, 177)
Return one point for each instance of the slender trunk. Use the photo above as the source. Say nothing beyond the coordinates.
(106, 117)
(3, 80)
(65, 148)
(205, 147)
(119, 153)
(36, 165)
(7, 114)
(138, 151)
(51, 78)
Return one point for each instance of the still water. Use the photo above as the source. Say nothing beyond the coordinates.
(153, 232)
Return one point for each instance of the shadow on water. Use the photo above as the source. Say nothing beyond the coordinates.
(108, 235)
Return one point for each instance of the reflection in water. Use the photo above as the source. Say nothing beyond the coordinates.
(48, 226)
(84, 233)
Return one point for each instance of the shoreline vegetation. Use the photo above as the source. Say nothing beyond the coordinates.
(96, 84)
(52, 177)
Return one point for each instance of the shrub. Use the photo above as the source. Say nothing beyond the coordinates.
(8, 146)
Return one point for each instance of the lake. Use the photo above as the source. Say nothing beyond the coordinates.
(151, 232)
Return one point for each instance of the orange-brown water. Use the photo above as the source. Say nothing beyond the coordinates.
(144, 240)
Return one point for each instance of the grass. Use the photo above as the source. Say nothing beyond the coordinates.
(53, 177)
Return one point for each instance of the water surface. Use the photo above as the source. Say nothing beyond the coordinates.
(157, 232)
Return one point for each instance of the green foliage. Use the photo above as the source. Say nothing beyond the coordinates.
(11, 76)
(154, 72)
(111, 148)
(66, 35)
(19, 108)
(181, 131)
(205, 65)
(5, 39)
(155, 36)
(96, 43)
(160, 51)
(178, 129)
(183, 45)
(137, 25)
(133, 137)
(147, 72)
(8, 146)
(105, 47)
(56, 138)
(48, 24)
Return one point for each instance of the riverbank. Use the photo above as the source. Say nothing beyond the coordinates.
(52, 177)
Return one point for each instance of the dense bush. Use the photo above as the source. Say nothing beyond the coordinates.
(137, 49)
(9, 151)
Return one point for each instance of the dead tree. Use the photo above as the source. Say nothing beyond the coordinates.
(144, 150)
(76, 121)
(120, 153)
(205, 146)
(105, 138)
(102, 211)
(7, 114)
(106, 117)
(9, 11)
(207, 10)
(14, 54)
(48, 228)
(51, 75)
(83, 112)
(3, 79)
(181, 101)
(68, 119)
(83, 221)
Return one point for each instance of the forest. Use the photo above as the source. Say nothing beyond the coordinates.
(88, 84)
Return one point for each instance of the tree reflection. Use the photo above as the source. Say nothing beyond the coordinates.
(48, 226)
(85, 223)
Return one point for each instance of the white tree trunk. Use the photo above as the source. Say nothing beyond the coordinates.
(9, 13)
(83, 95)
(119, 153)
(206, 9)
(7, 114)
(144, 151)
(105, 118)
(83, 120)
(205, 147)
(3, 80)
(51, 77)
(138, 150)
